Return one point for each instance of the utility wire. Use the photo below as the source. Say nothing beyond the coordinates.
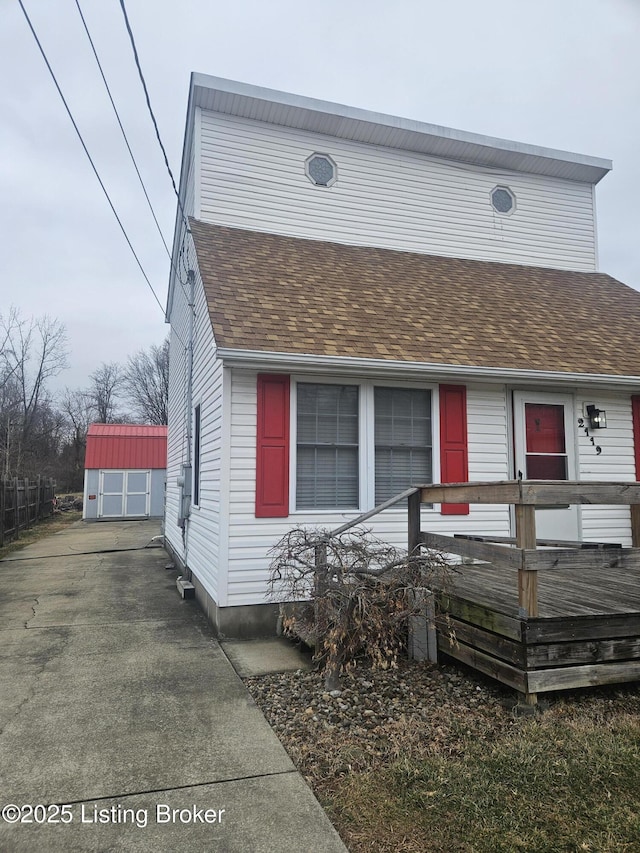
(86, 151)
(157, 130)
(133, 159)
(124, 135)
(153, 118)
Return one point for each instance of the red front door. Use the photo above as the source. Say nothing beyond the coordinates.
(544, 443)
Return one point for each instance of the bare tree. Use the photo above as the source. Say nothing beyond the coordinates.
(102, 393)
(146, 383)
(33, 351)
(78, 411)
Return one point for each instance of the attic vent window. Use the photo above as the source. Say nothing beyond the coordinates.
(321, 170)
(503, 200)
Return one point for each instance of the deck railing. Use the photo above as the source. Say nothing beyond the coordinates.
(522, 552)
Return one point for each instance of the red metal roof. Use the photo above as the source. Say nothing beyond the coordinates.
(126, 446)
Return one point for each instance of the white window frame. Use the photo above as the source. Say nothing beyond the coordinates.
(366, 436)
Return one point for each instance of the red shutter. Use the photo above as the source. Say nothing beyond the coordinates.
(454, 464)
(272, 457)
(635, 408)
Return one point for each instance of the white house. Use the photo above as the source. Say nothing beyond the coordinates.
(360, 302)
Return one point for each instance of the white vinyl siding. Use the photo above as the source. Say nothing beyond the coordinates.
(250, 538)
(616, 461)
(177, 418)
(253, 176)
(203, 546)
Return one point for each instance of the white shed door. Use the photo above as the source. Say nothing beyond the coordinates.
(124, 494)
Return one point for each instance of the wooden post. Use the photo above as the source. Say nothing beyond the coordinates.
(423, 639)
(320, 584)
(16, 511)
(3, 508)
(527, 580)
(334, 657)
(635, 525)
(38, 489)
(423, 643)
(27, 497)
(414, 502)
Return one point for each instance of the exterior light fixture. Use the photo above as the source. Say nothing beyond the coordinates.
(597, 417)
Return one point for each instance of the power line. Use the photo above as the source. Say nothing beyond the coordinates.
(133, 159)
(86, 151)
(124, 135)
(151, 113)
(159, 138)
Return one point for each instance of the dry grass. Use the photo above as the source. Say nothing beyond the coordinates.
(46, 527)
(546, 786)
(449, 768)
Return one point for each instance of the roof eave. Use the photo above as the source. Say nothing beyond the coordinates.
(261, 104)
(308, 363)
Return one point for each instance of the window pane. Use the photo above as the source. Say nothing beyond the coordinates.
(327, 452)
(327, 477)
(546, 467)
(402, 439)
(112, 482)
(545, 428)
(137, 481)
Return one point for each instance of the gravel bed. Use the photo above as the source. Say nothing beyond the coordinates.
(408, 712)
(387, 724)
(379, 715)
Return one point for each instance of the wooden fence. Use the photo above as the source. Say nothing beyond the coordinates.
(23, 503)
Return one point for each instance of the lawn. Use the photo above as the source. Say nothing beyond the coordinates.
(423, 759)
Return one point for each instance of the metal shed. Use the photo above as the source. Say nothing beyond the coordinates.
(125, 471)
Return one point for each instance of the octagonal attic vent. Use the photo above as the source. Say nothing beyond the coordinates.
(321, 170)
(503, 200)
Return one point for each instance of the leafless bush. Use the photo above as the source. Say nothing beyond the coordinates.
(357, 594)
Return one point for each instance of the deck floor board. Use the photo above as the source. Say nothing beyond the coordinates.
(574, 592)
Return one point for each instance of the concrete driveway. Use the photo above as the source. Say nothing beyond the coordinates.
(123, 726)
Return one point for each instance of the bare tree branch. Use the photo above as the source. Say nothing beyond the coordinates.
(105, 383)
(351, 594)
(146, 383)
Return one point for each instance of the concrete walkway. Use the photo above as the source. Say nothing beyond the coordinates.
(118, 706)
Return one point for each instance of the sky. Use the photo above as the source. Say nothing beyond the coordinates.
(558, 73)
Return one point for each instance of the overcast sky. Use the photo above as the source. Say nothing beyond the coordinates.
(558, 73)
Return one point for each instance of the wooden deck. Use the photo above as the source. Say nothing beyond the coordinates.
(587, 631)
(567, 592)
(537, 618)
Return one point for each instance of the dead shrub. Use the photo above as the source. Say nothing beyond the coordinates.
(351, 595)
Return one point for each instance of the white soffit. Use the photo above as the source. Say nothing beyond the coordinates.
(269, 105)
